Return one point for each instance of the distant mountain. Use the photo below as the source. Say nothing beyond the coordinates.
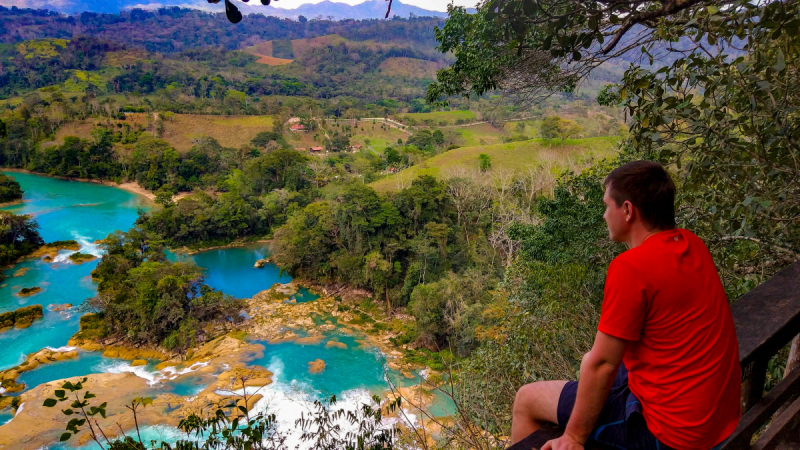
(370, 9)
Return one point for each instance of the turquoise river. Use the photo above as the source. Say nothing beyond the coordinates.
(87, 212)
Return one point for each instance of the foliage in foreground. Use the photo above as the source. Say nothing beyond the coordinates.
(144, 298)
(231, 426)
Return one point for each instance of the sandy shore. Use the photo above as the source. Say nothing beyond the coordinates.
(130, 186)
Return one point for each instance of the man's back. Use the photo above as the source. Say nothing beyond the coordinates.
(665, 297)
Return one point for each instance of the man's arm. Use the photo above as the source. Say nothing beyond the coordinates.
(598, 370)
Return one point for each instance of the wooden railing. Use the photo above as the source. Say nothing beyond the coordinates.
(767, 319)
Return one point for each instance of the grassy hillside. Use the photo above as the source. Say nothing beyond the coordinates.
(409, 67)
(439, 118)
(181, 130)
(513, 156)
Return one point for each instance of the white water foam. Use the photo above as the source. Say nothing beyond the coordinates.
(293, 400)
(152, 377)
(139, 371)
(19, 410)
(84, 246)
(65, 348)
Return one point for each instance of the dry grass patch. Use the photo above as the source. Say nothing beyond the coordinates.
(510, 156)
(409, 67)
(230, 131)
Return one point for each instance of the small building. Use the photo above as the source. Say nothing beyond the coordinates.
(355, 148)
(298, 127)
(315, 149)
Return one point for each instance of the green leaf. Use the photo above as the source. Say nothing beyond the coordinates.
(780, 64)
(60, 393)
(65, 437)
(68, 412)
(712, 10)
(50, 402)
(89, 395)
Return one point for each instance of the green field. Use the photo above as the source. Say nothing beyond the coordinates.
(514, 156)
(439, 118)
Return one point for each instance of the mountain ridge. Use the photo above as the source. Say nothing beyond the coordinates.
(370, 9)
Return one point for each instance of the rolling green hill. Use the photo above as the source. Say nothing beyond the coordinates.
(512, 156)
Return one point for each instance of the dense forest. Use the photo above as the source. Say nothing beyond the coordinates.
(174, 29)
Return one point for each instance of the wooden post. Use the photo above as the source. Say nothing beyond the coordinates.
(753, 386)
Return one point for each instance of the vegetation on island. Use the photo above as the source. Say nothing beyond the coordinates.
(9, 189)
(146, 299)
(21, 317)
(19, 237)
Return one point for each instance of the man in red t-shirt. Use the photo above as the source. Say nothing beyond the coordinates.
(663, 372)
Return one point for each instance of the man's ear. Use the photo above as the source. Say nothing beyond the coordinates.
(629, 210)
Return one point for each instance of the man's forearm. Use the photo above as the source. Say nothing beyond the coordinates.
(597, 377)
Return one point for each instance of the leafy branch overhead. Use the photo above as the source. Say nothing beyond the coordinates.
(535, 47)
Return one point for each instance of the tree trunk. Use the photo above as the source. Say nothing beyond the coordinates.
(388, 302)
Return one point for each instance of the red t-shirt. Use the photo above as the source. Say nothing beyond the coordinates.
(666, 298)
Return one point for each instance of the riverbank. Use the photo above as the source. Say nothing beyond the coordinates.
(129, 186)
(237, 243)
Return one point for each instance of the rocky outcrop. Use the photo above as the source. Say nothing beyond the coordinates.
(134, 353)
(35, 425)
(316, 366)
(59, 308)
(49, 251)
(27, 292)
(92, 329)
(261, 263)
(8, 377)
(241, 377)
(336, 344)
(80, 258)
(20, 318)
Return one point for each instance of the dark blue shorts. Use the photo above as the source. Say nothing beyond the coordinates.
(621, 424)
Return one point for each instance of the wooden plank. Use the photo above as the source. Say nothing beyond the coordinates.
(753, 386)
(768, 317)
(782, 427)
(785, 391)
(538, 438)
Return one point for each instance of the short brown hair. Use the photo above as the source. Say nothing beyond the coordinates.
(649, 188)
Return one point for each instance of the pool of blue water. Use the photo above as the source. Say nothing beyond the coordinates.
(64, 210)
(85, 364)
(345, 368)
(231, 270)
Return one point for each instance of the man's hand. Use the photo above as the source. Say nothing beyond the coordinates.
(565, 442)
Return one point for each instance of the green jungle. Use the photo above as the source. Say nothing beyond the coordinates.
(442, 176)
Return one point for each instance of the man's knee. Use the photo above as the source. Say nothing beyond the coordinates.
(539, 400)
(526, 399)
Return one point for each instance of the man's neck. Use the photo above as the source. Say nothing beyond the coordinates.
(639, 235)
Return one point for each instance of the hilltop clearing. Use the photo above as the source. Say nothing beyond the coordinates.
(513, 156)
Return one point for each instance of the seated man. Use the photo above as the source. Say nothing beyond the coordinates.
(666, 316)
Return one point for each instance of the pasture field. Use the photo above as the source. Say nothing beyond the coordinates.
(509, 156)
(438, 118)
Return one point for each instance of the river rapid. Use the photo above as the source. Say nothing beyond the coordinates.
(87, 212)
